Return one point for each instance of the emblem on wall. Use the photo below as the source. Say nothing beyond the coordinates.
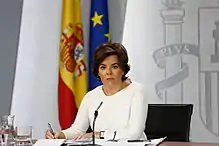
(170, 59)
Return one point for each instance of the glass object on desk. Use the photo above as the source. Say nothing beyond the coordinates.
(4, 134)
(7, 128)
(23, 135)
(9, 119)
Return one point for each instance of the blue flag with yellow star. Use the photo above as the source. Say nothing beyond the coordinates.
(99, 33)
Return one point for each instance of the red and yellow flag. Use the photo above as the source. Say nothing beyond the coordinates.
(72, 69)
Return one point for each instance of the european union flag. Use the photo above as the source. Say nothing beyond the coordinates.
(99, 33)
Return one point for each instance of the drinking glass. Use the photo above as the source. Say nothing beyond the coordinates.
(7, 128)
(3, 135)
(23, 135)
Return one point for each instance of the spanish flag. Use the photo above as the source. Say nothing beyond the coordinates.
(72, 68)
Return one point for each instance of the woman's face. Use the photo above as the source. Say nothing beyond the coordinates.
(110, 72)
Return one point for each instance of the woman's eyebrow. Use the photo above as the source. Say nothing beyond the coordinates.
(115, 63)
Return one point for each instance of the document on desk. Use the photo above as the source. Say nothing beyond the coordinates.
(49, 142)
(58, 142)
(157, 141)
(78, 142)
(151, 142)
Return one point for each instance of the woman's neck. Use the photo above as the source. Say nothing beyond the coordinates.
(110, 90)
(113, 89)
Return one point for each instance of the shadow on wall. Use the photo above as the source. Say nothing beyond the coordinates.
(10, 13)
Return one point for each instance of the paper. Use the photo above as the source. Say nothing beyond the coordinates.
(157, 141)
(78, 142)
(151, 142)
(58, 142)
(49, 142)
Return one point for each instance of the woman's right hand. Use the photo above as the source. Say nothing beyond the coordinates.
(49, 135)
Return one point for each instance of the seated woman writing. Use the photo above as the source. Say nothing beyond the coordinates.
(124, 110)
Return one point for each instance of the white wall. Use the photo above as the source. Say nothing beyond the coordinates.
(189, 66)
(34, 99)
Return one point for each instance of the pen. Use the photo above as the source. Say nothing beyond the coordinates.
(149, 140)
(139, 140)
(50, 129)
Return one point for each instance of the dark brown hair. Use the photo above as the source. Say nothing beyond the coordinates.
(107, 49)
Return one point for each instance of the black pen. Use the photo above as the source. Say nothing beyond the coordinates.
(139, 140)
(149, 140)
(50, 129)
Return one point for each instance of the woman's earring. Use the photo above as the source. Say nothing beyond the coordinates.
(98, 77)
(123, 77)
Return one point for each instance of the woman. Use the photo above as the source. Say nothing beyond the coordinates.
(124, 110)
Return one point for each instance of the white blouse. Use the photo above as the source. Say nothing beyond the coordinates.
(124, 112)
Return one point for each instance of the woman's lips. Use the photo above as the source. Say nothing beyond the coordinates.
(110, 78)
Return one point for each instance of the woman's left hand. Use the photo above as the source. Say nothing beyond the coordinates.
(85, 136)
